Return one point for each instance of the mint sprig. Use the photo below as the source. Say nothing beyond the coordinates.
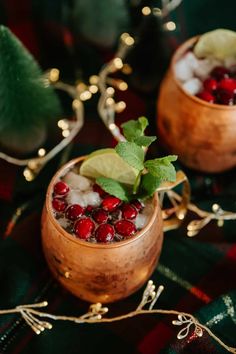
(150, 173)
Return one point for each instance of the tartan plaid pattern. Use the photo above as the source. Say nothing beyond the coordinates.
(198, 274)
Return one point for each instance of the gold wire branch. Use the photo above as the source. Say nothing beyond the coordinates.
(36, 319)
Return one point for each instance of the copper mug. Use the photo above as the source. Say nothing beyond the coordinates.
(98, 272)
(202, 134)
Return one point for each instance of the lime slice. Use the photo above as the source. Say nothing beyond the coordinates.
(220, 44)
(107, 163)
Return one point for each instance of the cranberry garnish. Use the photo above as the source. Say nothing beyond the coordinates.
(210, 84)
(225, 97)
(228, 85)
(84, 228)
(61, 188)
(74, 212)
(110, 203)
(206, 96)
(99, 190)
(129, 212)
(89, 209)
(59, 204)
(125, 228)
(105, 233)
(100, 216)
(219, 73)
(138, 205)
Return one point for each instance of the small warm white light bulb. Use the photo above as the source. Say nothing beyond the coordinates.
(120, 106)
(41, 152)
(170, 26)
(118, 63)
(110, 101)
(93, 88)
(93, 80)
(28, 175)
(65, 133)
(122, 86)
(110, 91)
(86, 95)
(146, 10)
(54, 75)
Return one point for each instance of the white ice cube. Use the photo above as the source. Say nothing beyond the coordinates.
(183, 71)
(63, 222)
(76, 181)
(76, 197)
(193, 86)
(191, 60)
(92, 198)
(141, 221)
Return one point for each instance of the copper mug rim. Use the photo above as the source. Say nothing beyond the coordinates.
(177, 55)
(65, 234)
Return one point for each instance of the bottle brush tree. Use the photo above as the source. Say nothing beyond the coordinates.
(26, 105)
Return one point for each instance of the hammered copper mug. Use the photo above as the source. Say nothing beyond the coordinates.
(98, 272)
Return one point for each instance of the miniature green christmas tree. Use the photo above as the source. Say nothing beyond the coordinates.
(26, 105)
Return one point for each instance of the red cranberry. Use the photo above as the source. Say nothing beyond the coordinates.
(100, 216)
(105, 233)
(74, 212)
(225, 97)
(84, 228)
(228, 85)
(110, 203)
(138, 205)
(206, 96)
(219, 73)
(125, 227)
(129, 212)
(99, 190)
(89, 209)
(59, 204)
(61, 188)
(210, 84)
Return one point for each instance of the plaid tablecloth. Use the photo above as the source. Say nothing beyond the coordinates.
(199, 274)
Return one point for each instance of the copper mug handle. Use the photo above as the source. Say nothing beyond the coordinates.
(174, 216)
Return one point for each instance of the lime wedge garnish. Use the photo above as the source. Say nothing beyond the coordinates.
(220, 44)
(107, 163)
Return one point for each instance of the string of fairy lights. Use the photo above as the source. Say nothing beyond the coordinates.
(38, 321)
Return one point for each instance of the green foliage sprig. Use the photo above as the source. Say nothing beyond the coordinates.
(150, 173)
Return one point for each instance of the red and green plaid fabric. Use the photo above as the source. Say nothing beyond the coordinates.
(199, 274)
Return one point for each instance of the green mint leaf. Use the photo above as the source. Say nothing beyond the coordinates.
(162, 168)
(143, 123)
(144, 140)
(149, 184)
(131, 153)
(113, 187)
(134, 128)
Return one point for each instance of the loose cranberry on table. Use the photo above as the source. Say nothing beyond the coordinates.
(125, 228)
(74, 212)
(59, 204)
(61, 188)
(105, 233)
(110, 203)
(129, 212)
(84, 228)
